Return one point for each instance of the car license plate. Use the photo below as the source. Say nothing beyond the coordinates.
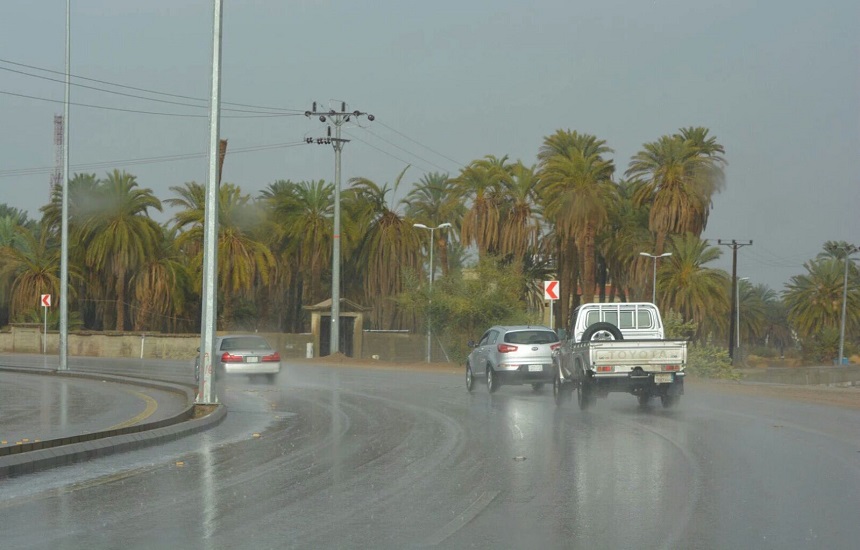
(252, 359)
(535, 368)
(662, 378)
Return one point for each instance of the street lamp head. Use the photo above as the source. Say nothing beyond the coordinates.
(645, 254)
(446, 224)
(420, 226)
(665, 255)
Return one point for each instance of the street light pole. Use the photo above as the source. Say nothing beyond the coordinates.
(432, 273)
(654, 283)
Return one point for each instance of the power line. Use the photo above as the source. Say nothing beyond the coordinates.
(402, 149)
(144, 160)
(401, 134)
(384, 152)
(137, 111)
(296, 111)
(167, 101)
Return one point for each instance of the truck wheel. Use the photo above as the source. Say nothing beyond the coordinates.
(560, 392)
(670, 401)
(470, 380)
(602, 331)
(492, 380)
(584, 395)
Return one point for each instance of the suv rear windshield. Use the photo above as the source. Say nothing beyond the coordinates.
(531, 337)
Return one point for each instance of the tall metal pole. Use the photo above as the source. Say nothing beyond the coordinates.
(64, 230)
(334, 342)
(337, 119)
(654, 279)
(432, 276)
(209, 314)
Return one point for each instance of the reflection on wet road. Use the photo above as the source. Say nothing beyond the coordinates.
(346, 457)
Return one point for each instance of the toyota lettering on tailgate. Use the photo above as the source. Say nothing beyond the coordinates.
(644, 354)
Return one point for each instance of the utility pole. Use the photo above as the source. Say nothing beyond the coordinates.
(336, 119)
(734, 245)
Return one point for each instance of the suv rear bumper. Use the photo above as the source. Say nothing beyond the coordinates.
(520, 374)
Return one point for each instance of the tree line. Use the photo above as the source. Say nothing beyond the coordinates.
(570, 216)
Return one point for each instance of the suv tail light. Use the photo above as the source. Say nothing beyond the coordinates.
(555, 346)
(228, 357)
(506, 348)
(272, 358)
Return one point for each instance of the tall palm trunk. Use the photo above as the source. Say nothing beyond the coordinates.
(120, 300)
(588, 264)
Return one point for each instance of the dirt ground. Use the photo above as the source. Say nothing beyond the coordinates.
(837, 397)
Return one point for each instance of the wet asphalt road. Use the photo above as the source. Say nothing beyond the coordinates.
(363, 458)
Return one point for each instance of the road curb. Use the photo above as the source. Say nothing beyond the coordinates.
(44, 455)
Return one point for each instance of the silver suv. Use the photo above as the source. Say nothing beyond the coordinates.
(519, 354)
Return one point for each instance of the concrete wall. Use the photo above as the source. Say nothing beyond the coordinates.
(28, 339)
(830, 376)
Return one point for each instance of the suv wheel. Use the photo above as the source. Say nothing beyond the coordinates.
(470, 380)
(492, 380)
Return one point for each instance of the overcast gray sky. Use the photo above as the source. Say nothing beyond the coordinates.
(777, 82)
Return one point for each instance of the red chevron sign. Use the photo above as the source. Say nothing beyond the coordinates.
(550, 290)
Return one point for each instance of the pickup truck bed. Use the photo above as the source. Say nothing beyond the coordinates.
(644, 368)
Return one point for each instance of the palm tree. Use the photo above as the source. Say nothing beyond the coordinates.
(161, 288)
(578, 192)
(520, 225)
(300, 235)
(480, 183)
(242, 260)
(620, 244)
(680, 174)
(814, 299)
(32, 268)
(389, 247)
(690, 288)
(434, 201)
(118, 233)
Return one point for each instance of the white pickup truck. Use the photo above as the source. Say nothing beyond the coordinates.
(618, 347)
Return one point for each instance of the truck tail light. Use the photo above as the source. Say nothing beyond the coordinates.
(506, 348)
(605, 369)
(272, 358)
(555, 346)
(671, 367)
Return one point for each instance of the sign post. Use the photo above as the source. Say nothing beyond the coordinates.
(550, 292)
(45, 302)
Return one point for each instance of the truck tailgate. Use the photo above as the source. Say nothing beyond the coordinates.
(648, 354)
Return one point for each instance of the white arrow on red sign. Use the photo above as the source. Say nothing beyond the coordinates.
(550, 290)
(46, 300)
